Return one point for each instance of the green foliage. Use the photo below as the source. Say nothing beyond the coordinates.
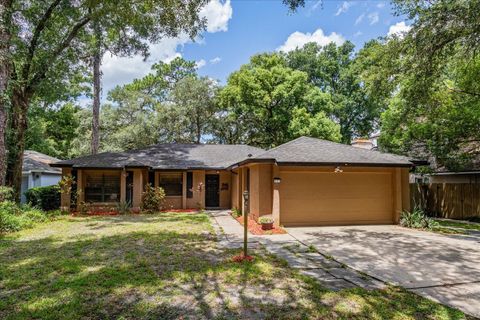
(265, 220)
(335, 71)
(259, 101)
(236, 213)
(45, 198)
(14, 217)
(417, 219)
(123, 207)
(52, 130)
(152, 199)
(6, 193)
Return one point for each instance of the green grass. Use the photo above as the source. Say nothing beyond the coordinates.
(459, 225)
(169, 266)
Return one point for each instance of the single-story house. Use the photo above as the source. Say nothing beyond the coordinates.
(306, 181)
(37, 172)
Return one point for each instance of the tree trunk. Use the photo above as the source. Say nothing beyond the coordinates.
(17, 127)
(5, 15)
(97, 61)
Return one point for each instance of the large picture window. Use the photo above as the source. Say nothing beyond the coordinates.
(102, 187)
(171, 183)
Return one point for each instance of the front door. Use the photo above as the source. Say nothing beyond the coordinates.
(212, 192)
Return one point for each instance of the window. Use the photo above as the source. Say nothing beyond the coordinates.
(102, 187)
(189, 184)
(171, 183)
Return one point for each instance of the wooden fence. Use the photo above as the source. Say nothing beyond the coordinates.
(447, 200)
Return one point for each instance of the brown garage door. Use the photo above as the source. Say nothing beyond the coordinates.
(327, 198)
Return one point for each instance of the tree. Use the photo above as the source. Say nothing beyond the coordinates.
(190, 112)
(52, 129)
(5, 38)
(333, 70)
(261, 98)
(48, 41)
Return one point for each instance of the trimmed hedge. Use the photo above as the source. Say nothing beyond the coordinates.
(45, 198)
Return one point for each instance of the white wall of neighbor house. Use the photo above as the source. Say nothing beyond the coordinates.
(37, 179)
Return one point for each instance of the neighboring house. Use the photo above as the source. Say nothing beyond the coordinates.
(306, 181)
(37, 172)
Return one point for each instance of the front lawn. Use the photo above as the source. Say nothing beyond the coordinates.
(169, 266)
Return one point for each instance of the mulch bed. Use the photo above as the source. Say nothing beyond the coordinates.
(255, 228)
(96, 213)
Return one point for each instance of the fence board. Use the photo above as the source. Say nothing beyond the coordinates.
(447, 200)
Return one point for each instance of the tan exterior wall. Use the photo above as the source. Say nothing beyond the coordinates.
(260, 190)
(198, 187)
(234, 198)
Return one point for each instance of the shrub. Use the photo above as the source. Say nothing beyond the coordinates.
(6, 193)
(14, 217)
(45, 198)
(123, 207)
(236, 213)
(417, 219)
(152, 199)
(265, 219)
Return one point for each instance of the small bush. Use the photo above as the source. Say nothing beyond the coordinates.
(14, 217)
(417, 219)
(123, 207)
(236, 213)
(45, 198)
(153, 199)
(6, 193)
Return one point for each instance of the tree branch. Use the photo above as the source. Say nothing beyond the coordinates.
(36, 35)
(475, 94)
(62, 46)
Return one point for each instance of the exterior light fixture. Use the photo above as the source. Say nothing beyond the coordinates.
(277, 180)
(338, 170)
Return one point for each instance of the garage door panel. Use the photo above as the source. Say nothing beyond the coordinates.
(336, 198)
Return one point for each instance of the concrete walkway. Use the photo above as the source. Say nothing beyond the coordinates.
(329, 273)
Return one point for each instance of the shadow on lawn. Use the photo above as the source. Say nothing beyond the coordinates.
(170, 275)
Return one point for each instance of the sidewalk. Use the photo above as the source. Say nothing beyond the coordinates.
(329, 273)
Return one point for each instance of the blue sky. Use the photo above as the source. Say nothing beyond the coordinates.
(238, 29)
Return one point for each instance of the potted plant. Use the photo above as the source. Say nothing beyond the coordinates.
(266, 222)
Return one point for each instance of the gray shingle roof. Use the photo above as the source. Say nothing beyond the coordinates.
(306, 150)
(168, 156)
(39, 162)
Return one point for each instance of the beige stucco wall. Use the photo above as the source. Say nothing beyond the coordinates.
(198, 188)
(65, 197)
(260, 190)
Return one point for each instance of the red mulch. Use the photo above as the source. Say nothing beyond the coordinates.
(241, 258)
(97, 213)
(180, 210)
(256, 228)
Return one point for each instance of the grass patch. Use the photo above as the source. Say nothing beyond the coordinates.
(459, 225)
(169, 266)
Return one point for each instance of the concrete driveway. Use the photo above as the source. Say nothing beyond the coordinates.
(445, 268)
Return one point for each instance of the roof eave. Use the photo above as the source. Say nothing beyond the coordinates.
(352, 164)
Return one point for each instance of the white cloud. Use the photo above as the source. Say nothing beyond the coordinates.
(200, 63)
(343, 7)
(119, 71)
(373, 18)
(218, 13)
(360, 18)
(358, 33)
(299, 39)
(398, 29)
(381, 5)
(215, 60)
